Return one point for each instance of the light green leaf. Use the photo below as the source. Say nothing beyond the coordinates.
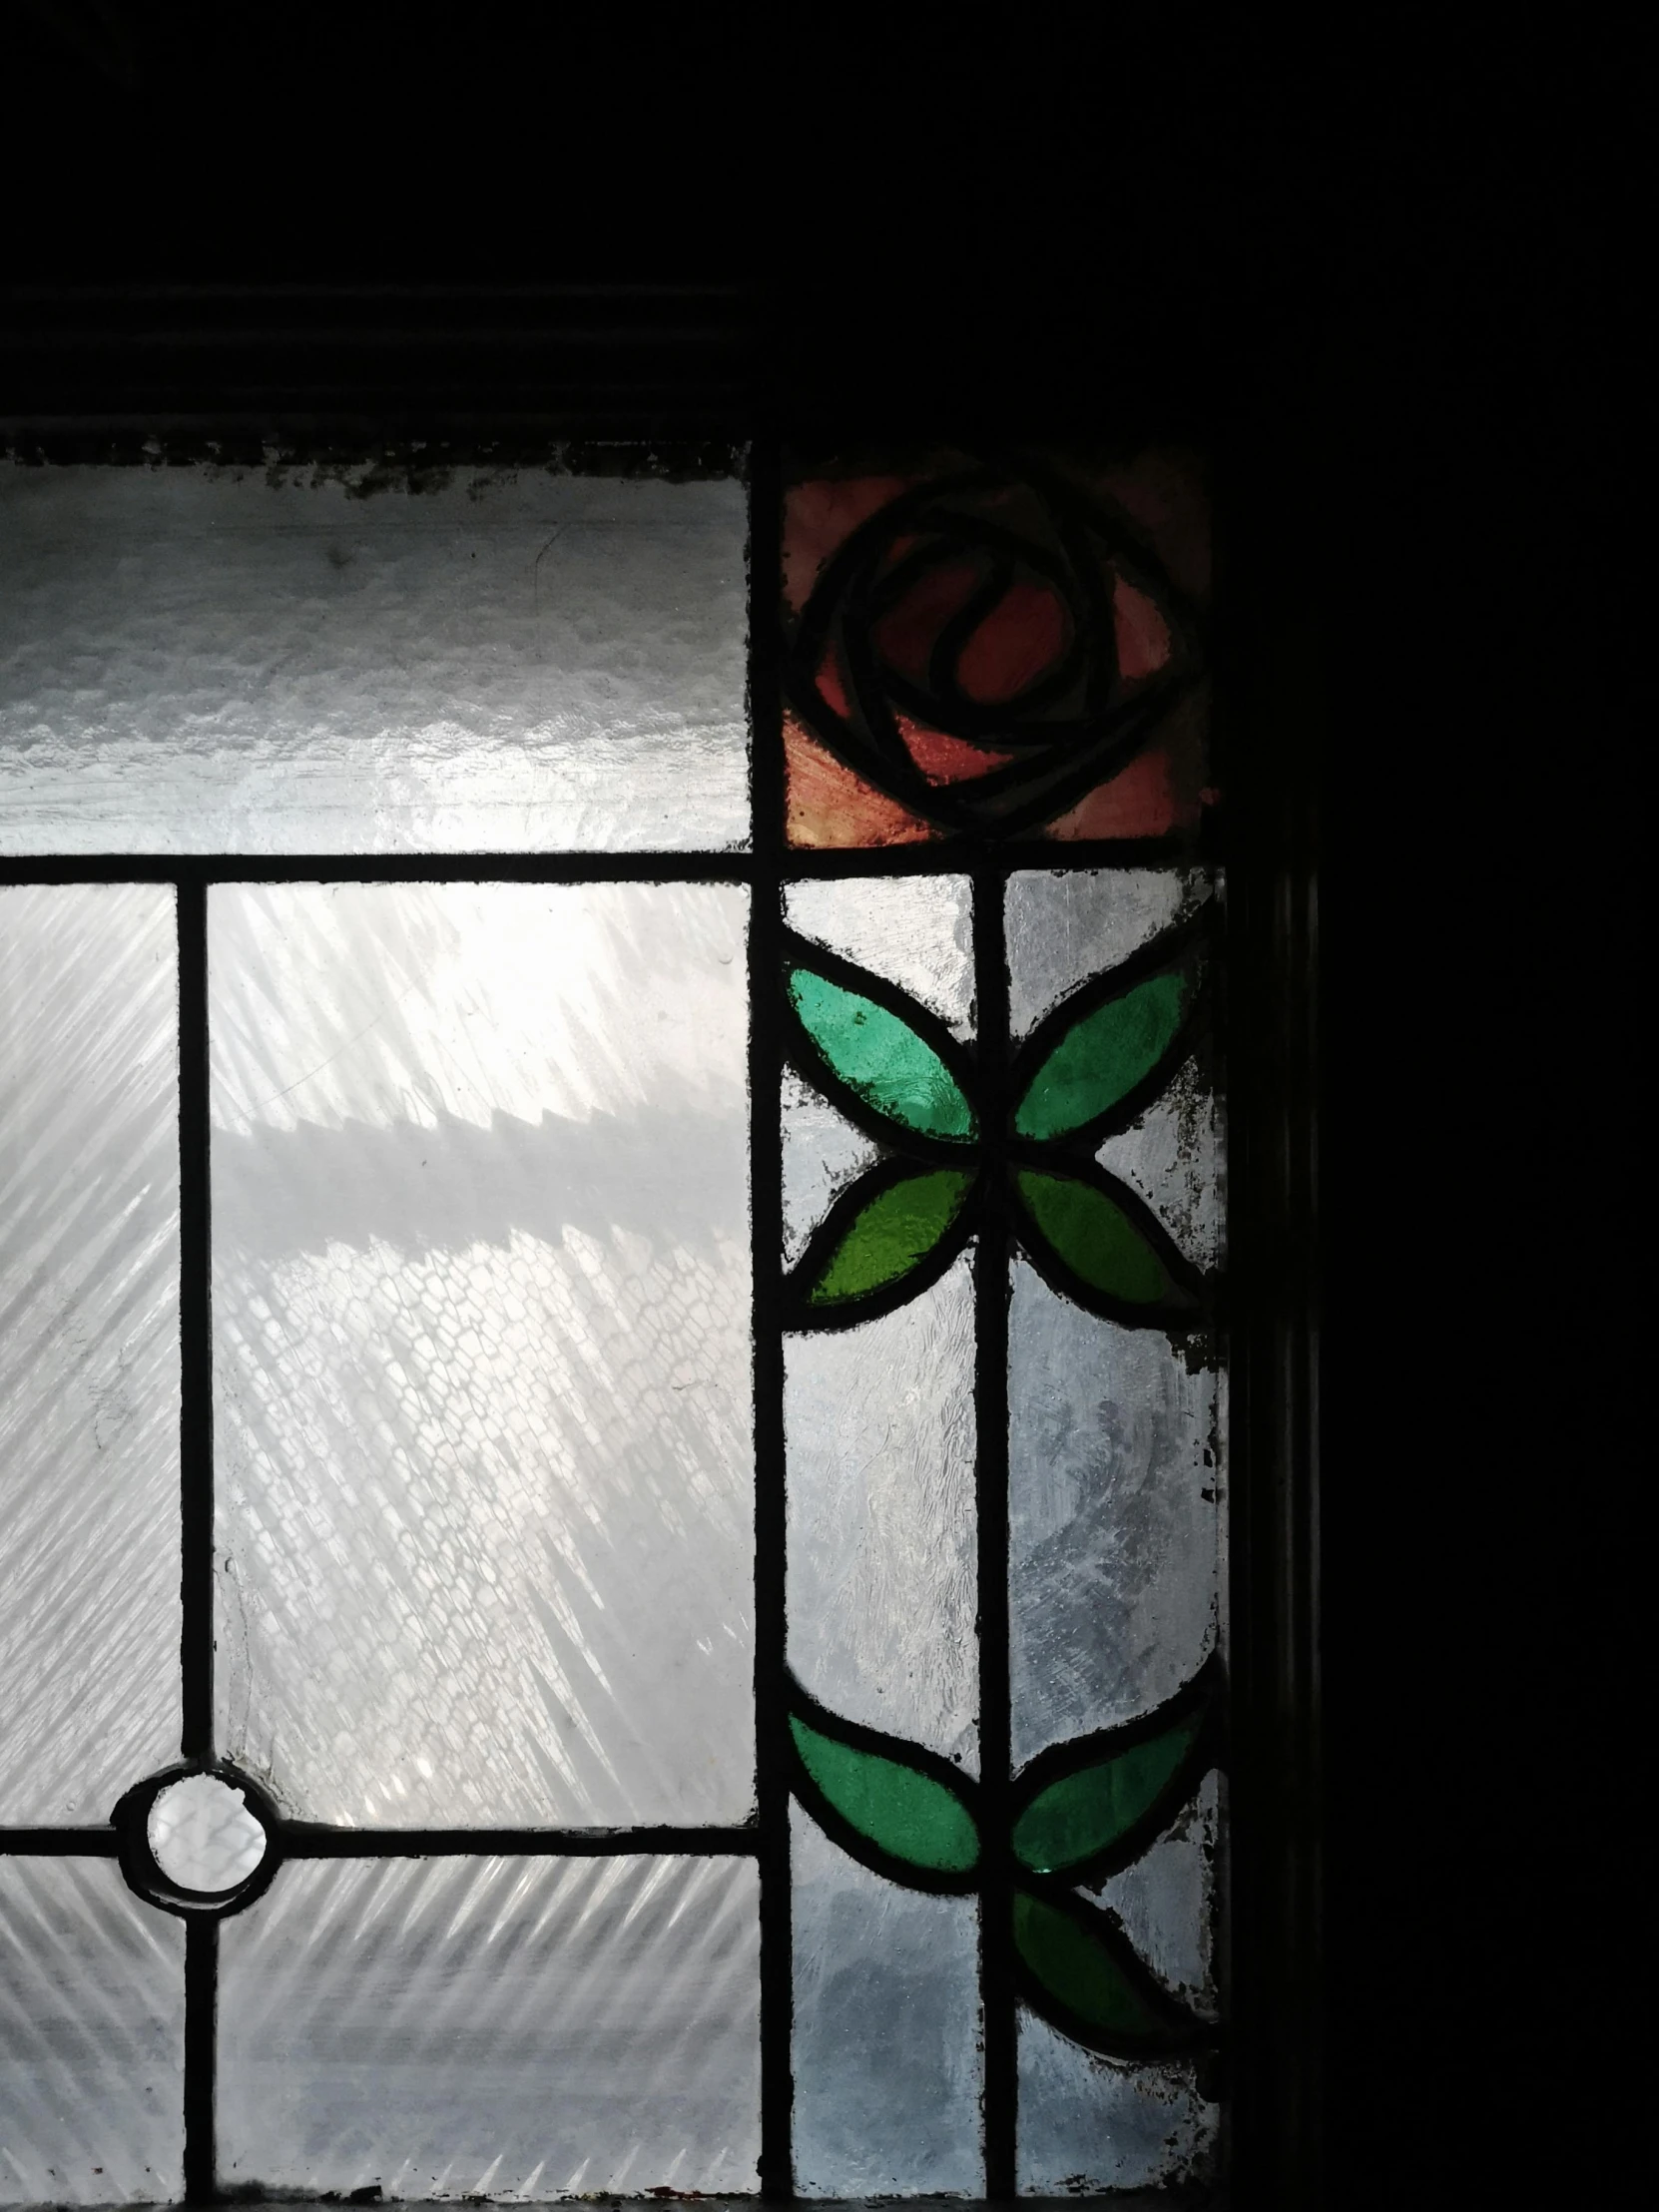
(892, 1069)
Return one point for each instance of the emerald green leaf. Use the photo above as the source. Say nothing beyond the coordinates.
(891, 1233)
(1097, 1240)
(1083, 1814)
(881, 1057)
(1083, 1976)
(1102, 1056)
(909, 1816)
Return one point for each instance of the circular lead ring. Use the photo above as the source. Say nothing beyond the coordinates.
(150, 1880)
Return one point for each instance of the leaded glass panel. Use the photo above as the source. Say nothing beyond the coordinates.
(615, 1393)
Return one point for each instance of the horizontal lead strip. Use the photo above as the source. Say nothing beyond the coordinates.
(310, 1839)
(58, 1843)
(947, 858)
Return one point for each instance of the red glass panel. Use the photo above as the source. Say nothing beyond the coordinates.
(828, 804)
(996, 648)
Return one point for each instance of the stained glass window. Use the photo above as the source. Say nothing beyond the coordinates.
(615, 1384)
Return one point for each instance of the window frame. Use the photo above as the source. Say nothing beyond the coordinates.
(699, 372)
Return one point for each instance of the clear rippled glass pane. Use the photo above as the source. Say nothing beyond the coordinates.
(1166, 1901)
(916, 931)
(887, 2072)
(92, 2037)
(482, 1350)
(220, 660)
(89, 1344)
(1115, 1474)
(882, 1531)
(1115, 1549)
(1172, 1157)
(823, 1153)
(507, 2027)
(1065, 928)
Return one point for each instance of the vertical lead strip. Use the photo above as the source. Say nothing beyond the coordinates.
(201, 2010)
(194, 1328)
(196, 1545)
(771, 1749)
(991, 1292)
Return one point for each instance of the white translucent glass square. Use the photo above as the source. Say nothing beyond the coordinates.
(225, 658)
(89, 1344)
(482, 1368)
(511, 2029)
(92, 2037)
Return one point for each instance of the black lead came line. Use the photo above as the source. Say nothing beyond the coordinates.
(194, 1329)
(200, 2059)
(315, 1839)
(766, 942)
(196, 1492)
(945, 856)
(999, 2026)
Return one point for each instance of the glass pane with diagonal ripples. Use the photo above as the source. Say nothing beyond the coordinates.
(92, 2037)
(89, 1344)
(482, 1350)
(502, 2027)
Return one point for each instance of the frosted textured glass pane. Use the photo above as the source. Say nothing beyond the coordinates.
(89, 1344)
(887, 2031)
(92, 2037)
(1171, 1155)
(1114, 1493)
(482, 1363)
(509, 2028)
(1063, 928)
(822, 1152)
(1166, 1901)
(1087, 2124)
(201, 660)
(879, 1430)
(917, 930)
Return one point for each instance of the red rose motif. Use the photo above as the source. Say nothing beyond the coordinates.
(987, 647)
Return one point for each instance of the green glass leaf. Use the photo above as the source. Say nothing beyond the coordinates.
(1102, 1056)
(875, 1053)
(893, 1232)
(1084, 1814)
(1095, 1237)
(909, 1816)
(1079, 1972)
